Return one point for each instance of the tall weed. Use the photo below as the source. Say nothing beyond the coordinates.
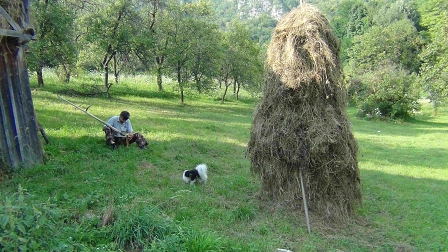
(26, 226)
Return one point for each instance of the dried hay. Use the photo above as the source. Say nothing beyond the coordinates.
(15, 9)
(301, 123)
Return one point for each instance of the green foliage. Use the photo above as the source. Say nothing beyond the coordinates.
(432, 12)
(388, 14)
(198, 241)
(224, 11)
(111, 28)
(387, 93)
(140, 227)
(241, 64)
(347, 21)
(398, 43)
(382, 67)
(109, 32)
(55, 44)
(434, 71)
(192, 43)
(25, 226)
(260, 28)
(350, 19)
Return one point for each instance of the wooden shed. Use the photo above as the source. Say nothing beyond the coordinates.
(20, 145)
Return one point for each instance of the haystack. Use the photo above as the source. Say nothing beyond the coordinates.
(300, 124)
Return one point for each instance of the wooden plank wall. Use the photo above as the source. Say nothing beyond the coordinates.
(19, 142)
(20, 145)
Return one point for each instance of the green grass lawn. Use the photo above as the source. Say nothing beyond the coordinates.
(88, 197)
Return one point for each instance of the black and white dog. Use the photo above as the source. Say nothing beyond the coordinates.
(199, 174)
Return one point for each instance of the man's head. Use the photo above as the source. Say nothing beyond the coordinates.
(124, 115)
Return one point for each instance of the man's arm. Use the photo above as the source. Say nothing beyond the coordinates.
(129, 127)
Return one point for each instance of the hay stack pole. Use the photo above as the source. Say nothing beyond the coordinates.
(301, 145)
(305, 205)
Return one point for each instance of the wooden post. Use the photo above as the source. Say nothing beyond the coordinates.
(20, 145)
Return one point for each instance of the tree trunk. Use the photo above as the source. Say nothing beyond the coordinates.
(106, 76)
(105, 64)
(198, 83)
(237, 91)
(40, 78)
(159, 78)
(67, 73)
(435, 105)
(181, 94)
(115, 69)
(159, 61)
(234, 86)
(225, 91)
(179, 81)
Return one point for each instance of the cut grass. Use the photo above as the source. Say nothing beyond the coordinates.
(404, 173)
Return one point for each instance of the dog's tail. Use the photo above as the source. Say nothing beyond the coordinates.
(202, 170)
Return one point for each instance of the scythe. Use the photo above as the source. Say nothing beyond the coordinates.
(94, 117)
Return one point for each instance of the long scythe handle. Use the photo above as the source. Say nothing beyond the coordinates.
(96, 118)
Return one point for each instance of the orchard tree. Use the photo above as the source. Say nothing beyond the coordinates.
(248, 69)
(111, 27)
(150, 42)
(187, 35)
(241, 64)
(389, 92)
(55, 44)
(204, 66)
(434, 71)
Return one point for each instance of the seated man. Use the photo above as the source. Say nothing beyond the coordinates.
(123, 124)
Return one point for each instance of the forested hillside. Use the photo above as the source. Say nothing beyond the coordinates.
(393, 51)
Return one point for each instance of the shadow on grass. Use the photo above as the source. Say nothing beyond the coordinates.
(427, 123)
(406, 210)
(402, 155)
(411, 129)
(205, 108)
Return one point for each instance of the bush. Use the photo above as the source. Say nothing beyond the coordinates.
(387, 93)
(356, 90)
(26, 227)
